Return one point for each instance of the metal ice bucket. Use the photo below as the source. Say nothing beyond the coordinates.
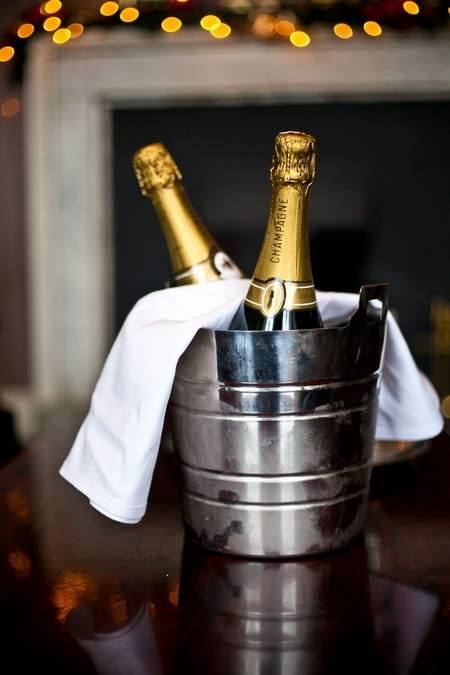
(274, 432)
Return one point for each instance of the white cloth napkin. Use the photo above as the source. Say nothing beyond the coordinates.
(114, 453)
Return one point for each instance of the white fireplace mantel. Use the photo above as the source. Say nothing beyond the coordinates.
(69, 92)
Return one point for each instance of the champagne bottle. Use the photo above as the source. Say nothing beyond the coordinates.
(281, 295)
(195, 255)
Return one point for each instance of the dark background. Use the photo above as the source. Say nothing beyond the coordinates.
(379, 206)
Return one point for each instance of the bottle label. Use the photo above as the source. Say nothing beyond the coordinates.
(273, 295)
(285, 249)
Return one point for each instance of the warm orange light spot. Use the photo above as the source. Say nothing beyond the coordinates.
(6, 53)
(343, 31)
(411, 7)
(61, 36)
(299, 38)
(372, 28)
(20, 563)
(25, 30)
(10, 107)
(129, 14)
(171, 24)
(76, 29)
(118, 609)
(173, 595)
(109, 8)
(445, 406)
(16, 499)
(222, 31)
(264, 25)
(284, 27)
(209, 21)
(52, 6)
(51, 23)
(68, 591)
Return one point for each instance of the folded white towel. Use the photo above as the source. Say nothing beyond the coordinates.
(114, 454)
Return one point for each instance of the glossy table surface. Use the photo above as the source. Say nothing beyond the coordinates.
(81, 593)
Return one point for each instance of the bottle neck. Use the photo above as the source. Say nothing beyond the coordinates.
(282, 279)
(195, 255)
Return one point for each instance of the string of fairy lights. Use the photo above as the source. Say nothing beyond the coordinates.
(290, 20)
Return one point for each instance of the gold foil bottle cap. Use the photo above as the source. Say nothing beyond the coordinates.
(155, 168)
(294, 158)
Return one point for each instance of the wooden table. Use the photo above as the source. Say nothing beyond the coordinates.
(81, 593)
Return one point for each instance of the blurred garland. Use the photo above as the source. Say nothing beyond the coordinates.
(433, 16)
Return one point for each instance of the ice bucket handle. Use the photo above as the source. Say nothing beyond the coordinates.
(367, 312)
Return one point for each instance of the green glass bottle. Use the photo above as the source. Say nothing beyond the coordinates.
(282, 295)
(195, 255)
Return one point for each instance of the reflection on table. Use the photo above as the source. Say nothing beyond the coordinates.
(83, 594)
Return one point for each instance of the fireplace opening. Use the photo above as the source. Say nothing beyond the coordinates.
(379, 208)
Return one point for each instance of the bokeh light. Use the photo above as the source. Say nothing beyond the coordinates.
(52, 6)
(299, 38)
(51, 23)
(343, 31)
(171, 24)
(445, 406)
(129, 14)
(76, 29)
(223, 30)
(284, 27)
(264, 25)
(25, 30)
(209, 21)
(372, 28)
(109, 8)
(10, 107)
(20, 563)
(6, 53)
(411, 7)
(61, 36)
